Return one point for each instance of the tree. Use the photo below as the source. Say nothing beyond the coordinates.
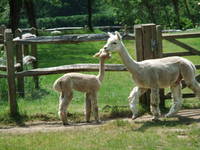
(177, 14)
(188, 11)
(149, 4)
(15, 8)
(15, 13)
(30, 11)
(89, 8)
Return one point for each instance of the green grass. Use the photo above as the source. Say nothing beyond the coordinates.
(42, 104)
(116, 135)
(176, 134)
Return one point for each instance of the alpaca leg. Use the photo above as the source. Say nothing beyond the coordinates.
(155, 101)
(65, 99)
(88, 107)
(188, 74)
(177, 100)
(95, 106)
(134, 100)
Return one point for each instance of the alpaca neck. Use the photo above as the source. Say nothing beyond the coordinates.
(128, 61)
(100, 76)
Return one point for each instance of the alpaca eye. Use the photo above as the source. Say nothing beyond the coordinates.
(114, 43)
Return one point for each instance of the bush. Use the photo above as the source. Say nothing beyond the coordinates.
(78, 20)
(68, 21)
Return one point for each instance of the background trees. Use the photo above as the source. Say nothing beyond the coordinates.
(180, 14)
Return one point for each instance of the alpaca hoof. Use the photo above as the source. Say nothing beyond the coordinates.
(134, 117)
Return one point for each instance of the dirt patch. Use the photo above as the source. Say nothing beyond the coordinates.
(188, 115)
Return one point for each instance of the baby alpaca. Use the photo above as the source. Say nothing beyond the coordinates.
(89, 84)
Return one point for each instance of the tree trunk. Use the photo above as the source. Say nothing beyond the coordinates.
(167, 16)
(89, 6)
(188, 11)
(150, 9)
(30, 10)
(176, 10)
(15, 7)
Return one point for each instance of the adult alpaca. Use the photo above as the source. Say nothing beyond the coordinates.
(86, 83)
(154, 74)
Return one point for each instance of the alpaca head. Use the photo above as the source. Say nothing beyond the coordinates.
(114, 42)
(102, 54)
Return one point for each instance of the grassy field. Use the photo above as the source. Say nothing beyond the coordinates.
(42, 105)
(116, 135)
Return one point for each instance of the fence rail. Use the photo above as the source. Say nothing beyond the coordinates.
(70, 68)
(155, 35)
(66, 39)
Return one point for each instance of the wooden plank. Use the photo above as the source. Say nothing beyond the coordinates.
(70, 68)
(178, 54)
(35, 63)
(159, 54)
(148, 48)
(197, 66)
(64, 39)
(19, 59)
(4, 68)
(11, 73)
(75, 38)
(138, 43)
(182, 35)
(148, 32)
(159, 39)
(185, 95)
(79, 28)
(185, 46)
(64, 28)
(25, 49)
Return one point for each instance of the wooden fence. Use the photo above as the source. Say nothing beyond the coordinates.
(2, 29)
(148, 45)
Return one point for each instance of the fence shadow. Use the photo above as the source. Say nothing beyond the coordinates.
(185, 117)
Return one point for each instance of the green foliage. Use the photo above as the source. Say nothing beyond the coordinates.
(162, 12)
(57, 13)
(69, 21)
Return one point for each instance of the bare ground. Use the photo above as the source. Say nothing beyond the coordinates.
(184, 116)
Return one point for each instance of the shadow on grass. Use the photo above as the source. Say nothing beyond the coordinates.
(167, 122)
(18, 119)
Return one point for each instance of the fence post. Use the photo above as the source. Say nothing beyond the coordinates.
(159, 54)
(19, 59)
(25, 49)
(148, 46)
(139, 40)
(2, 30)
(9, 47)
(34, 53)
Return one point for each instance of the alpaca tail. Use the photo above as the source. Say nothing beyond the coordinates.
(57, 86)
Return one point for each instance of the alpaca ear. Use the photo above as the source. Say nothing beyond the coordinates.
(110, 34)
(118, 35)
